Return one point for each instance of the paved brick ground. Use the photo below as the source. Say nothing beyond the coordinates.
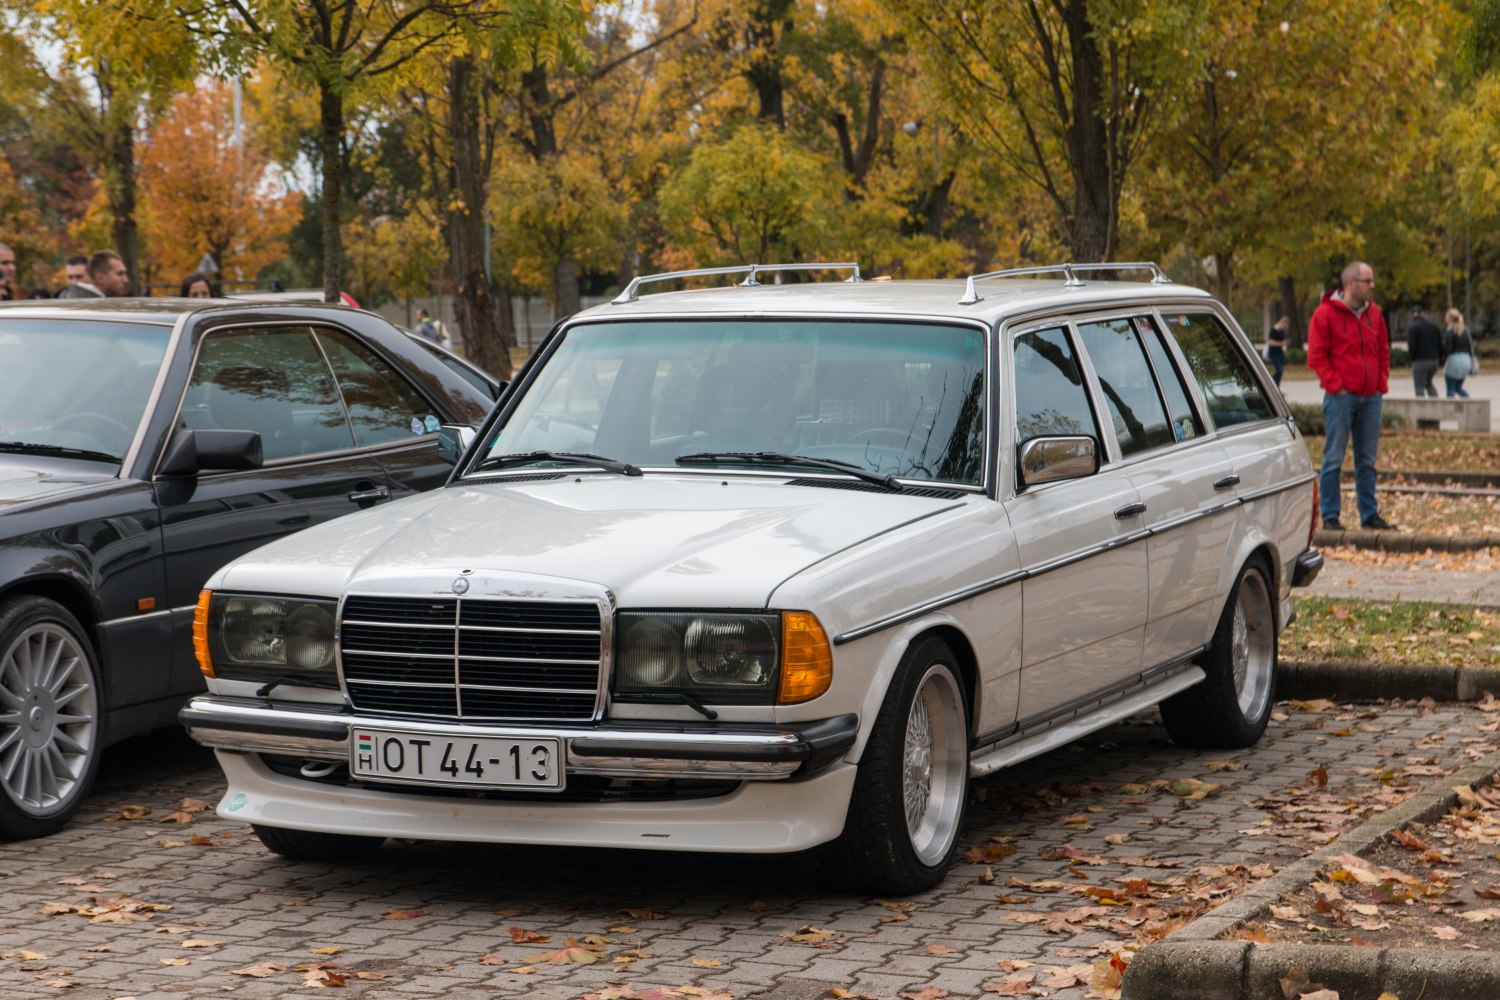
(715, 922)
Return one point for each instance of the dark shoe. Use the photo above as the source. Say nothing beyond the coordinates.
(1377, 523)
(1332, 524)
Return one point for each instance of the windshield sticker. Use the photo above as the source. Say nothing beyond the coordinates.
(432, 422)
(416, 426)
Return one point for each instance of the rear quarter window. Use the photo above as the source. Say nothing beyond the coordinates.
(1230, 387)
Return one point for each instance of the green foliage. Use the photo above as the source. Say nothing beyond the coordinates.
(757, 196)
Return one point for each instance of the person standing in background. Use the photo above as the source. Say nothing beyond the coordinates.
(1424, 343)
(1458, 355)
(1276, 342)
(10, 288)
(76, 270)
(1349, 349)
(108, 275)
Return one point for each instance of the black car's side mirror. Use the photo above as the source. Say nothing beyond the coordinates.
(453, 441)
(200, 450)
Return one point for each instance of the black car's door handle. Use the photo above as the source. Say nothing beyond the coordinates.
(1226, 482)
(373, 495)
(302, 518)
(1130, 510)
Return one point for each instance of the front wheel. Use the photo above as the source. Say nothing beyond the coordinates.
(49, 717)
(310, 845)
(1230, 707)
(912, 785)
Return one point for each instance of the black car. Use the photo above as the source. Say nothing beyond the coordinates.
(143, 443)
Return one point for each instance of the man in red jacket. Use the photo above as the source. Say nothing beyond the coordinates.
(1348, 347)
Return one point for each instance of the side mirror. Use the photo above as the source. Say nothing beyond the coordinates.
(454, 440)
(1049, 459)
(200, 450)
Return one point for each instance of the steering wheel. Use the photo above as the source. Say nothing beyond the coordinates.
(885, 437)
(115, 431)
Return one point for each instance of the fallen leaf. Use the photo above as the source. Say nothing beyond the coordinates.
(404, 914)
(332, 949)
(201, 943)
(940, 949)
(521, 935)
(175, 961)
(707, 963)
(260, 971)
(1445, 933)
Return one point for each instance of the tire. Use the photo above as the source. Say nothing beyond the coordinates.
(913, 780)
(50, 717)
(309, 845)
(1231, 706)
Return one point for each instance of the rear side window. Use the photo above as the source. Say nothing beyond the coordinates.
(1050, 395)
(1185, 422)
(1233, 393)
(1129, 389)
(382, 405)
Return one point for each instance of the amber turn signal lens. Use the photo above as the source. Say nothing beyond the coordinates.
(806, 658)
(200, 633)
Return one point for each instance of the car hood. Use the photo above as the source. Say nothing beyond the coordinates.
(649, 540)
(22, 483)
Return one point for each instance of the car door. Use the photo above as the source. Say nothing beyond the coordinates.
(276, 381)
(1081, 541)
(389, 416)
(1181, 474)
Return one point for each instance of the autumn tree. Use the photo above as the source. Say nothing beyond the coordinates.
(212, 191)
(344, 50)
(1065, 93)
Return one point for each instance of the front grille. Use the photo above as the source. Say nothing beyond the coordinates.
(472, 658)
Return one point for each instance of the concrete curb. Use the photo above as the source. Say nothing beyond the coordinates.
(1374, 681)
(1194, 964)
(1396, 541)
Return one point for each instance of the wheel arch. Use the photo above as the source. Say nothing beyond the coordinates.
(967, 663)
(64, 591)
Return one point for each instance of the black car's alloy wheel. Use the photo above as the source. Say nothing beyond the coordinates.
(49, 717)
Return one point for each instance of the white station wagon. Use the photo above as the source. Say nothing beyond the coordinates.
(774, 567)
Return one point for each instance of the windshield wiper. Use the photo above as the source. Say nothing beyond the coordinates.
(780, 458)
(27, 448)
(571, 457)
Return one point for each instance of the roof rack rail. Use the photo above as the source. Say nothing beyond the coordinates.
(749, 270)
(971, 296)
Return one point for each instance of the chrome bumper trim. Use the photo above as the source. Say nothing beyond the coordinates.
(746, 752)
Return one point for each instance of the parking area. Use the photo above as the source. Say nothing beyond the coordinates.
(1068, 858)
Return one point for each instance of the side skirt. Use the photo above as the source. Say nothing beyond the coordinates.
(1048, 735)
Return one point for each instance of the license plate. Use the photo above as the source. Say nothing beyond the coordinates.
(470, 761)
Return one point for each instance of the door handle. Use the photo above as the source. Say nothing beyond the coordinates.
(374, 495)
(1226, 482)
(1130, 510)
(302, 518)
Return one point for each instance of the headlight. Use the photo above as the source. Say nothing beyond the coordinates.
(264, 638)
(727, 659)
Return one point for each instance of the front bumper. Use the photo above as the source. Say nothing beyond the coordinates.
(633, 749)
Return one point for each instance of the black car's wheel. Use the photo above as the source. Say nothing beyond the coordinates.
(1231, 706)
(912, 785)
(49, 717)
(309, 845)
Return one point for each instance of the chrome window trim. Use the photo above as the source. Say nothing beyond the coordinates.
(138, 441)
(495, 422)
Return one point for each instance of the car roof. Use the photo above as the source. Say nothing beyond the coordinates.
(998, 299)
(156, 310)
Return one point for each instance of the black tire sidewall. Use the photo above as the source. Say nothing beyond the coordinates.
(877, 846)
(16, 615)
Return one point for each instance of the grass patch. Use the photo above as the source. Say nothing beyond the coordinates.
(1339, 629)
(1425, 451)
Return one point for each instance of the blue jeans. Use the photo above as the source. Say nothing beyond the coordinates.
(1348, 416)
(1456, 388)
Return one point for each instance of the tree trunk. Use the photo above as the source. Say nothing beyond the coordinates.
(120, 189)
(1224, 277)
(565, 287)
(1092, 231)
(1286, 292)
(331, 126)
(481, 305)
(764, 70)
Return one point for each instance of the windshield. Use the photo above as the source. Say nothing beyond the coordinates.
(75, 384)
(899, 399)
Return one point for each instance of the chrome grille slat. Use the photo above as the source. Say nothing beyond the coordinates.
(472, 658)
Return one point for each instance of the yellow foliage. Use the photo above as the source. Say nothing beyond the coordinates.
(205, 191)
